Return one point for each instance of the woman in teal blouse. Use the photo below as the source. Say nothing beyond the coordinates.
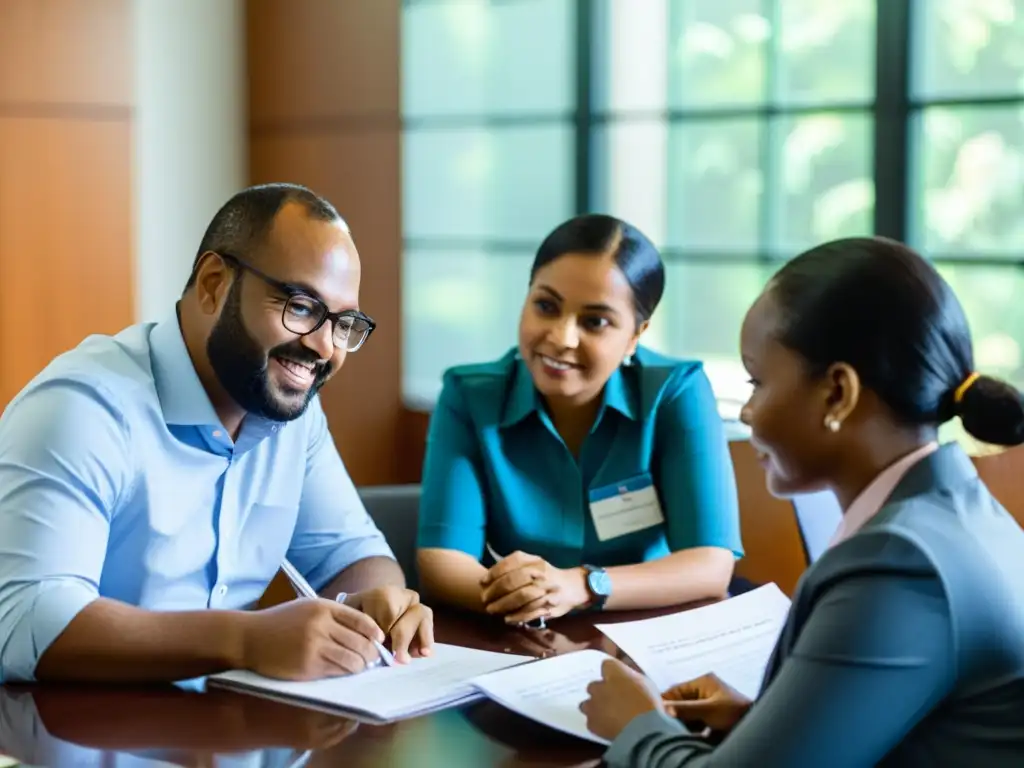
(580, 470)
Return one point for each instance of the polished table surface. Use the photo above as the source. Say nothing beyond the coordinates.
(84, 726)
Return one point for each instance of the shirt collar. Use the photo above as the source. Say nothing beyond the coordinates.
(618, 394)
(877, 493)
(523, 398)
(183, 398)
(946, 470)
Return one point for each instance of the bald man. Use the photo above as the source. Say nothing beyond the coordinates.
(153, 482)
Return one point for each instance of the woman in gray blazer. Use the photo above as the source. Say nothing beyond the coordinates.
(904, 645)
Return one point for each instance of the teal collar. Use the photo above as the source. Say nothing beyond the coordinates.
(524, 400)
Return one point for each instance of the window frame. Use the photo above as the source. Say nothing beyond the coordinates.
(894, 111)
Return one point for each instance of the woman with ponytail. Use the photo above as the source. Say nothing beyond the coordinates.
(905, 642)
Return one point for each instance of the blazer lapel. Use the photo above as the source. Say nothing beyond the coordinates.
(786, 639)
(946, 469)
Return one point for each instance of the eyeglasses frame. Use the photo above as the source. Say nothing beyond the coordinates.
(291, 291)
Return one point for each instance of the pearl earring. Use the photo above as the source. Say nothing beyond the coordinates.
(832, 424)
(627, 360)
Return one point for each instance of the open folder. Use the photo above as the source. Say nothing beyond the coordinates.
(733, 638)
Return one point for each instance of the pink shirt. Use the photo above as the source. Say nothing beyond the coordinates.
(872, 498)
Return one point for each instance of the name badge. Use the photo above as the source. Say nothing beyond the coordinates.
(625, 507)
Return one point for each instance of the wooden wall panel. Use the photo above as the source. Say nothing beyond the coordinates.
(66, 251)
(356, 171)
(65, 52)
(325, 112)
(1003, 473)
(311, 60)
(415, 425)
(65, 239)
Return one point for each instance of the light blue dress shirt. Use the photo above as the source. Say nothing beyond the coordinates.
(497, 470)
(118, 480)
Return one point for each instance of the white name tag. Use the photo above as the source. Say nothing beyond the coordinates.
(625, 507)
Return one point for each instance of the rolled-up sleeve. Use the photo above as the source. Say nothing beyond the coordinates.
(64, 464)
(333, 529)
(453, 512)
(695, 471)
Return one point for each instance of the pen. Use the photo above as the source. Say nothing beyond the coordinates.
(303, 588)
(538, 623)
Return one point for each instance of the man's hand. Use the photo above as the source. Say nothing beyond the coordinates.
(524, 587)
(405, 620)
(308, 639)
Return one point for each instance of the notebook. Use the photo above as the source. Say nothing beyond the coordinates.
(441, 680)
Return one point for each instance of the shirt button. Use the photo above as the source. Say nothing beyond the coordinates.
(222, 590)
(217, 433)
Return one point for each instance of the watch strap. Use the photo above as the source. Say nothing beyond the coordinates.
(597, 599)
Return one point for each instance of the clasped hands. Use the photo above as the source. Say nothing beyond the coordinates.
(706, 703)
(523, 588)
(308, 639)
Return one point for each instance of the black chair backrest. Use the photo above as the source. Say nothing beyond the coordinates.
(395, 510)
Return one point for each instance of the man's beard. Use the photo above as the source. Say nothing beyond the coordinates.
(241, 365)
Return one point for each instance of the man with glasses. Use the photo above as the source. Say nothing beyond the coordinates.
(153, 482)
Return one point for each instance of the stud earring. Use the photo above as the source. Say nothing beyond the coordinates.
(832, 424)
(627, 360)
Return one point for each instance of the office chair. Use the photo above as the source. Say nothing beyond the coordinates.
(395, 511)
(817, 516)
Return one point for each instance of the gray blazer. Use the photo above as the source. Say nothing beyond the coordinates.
(904, 646)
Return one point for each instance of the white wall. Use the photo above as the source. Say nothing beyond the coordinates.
(190, 136)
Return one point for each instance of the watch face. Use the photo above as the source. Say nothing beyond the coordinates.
(600, 583)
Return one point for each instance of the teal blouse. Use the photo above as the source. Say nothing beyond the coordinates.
(496, 471)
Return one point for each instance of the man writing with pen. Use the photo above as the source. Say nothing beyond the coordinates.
(153, 482)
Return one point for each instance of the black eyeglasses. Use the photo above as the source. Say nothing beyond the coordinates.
(303, 314)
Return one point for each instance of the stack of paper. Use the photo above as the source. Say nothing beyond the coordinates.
(441, 680)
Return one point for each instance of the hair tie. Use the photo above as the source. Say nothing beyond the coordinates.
(964, 386)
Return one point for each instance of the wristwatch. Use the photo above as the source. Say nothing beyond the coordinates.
(599, 584)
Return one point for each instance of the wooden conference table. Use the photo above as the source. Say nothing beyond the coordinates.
(60, 725)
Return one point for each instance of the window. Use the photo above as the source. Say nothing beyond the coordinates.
(967, 152)
(489, 97)
(966, 160)
(735, 133)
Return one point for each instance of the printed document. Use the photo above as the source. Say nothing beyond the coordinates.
(549, 691)
(733, 638)
(436, 682)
